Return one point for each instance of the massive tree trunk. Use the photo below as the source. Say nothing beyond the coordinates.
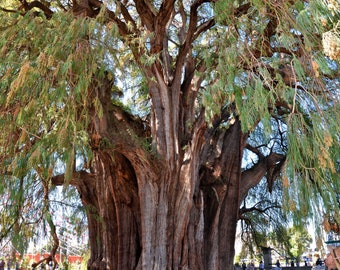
(176, 209)
(163, 220)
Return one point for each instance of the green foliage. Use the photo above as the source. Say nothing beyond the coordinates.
(316, 150)
(313, 112)
(44, 100)
(46, 83)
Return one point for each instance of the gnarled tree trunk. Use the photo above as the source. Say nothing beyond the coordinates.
(151, 211)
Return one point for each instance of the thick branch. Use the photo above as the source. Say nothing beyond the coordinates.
(78, 177)
(254, 150)
(192, 33)
(145, 11)
(127, 16)
(162, 19)
(189, 38)
(36, 4)
(122, 27)
(270, 165)
(241, 10)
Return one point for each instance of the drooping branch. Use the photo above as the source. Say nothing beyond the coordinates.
(274, 170)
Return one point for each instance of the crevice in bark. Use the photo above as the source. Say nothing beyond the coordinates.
(117, 222)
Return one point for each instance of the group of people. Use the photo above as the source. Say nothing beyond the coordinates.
(251, 266)
(9, 265)
(276, 266)
(319, 263)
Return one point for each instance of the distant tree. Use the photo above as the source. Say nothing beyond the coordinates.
(164, 115)
(293, 241)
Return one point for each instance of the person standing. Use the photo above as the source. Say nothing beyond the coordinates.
(319, 262)
(261, 265)
(244, 266)
(278, 265)
(251, 266)
(2, 265)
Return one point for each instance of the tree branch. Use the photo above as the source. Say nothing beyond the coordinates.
(128, 18)
(146, 13)
(244, 209)
(270, 165)
(36, 4)
(241, 10)
(9, 10)
(255, 150)
(80, 176)
(162, 19)
(204, 27)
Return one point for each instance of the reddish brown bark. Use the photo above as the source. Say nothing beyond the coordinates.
(147, 211)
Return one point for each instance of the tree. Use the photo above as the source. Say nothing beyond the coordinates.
(211, 85)
(294, 241)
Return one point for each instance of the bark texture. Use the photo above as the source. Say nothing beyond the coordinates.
(171, 211)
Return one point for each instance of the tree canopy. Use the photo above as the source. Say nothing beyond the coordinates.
(154, 97)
